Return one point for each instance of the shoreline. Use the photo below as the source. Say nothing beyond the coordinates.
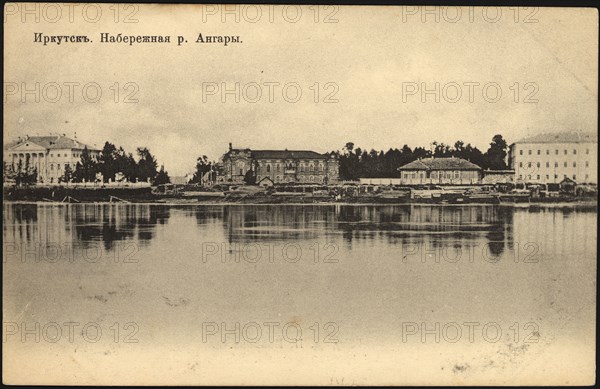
(571, 204)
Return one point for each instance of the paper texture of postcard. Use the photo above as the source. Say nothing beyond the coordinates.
(206, 194)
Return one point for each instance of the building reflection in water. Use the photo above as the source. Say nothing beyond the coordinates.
(430, 226)
(82, 223)
(498, 227)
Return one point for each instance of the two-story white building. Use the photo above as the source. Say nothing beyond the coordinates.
(48, 155)
(549, 158)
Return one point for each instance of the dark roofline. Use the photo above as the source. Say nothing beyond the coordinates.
(415, 165)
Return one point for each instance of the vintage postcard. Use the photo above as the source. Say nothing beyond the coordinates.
(261, 194)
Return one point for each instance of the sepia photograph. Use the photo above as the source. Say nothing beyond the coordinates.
(299, 194)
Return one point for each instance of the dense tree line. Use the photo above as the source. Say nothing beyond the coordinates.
(23, 174)
(356, 162)
(203, 166)
(113, 160)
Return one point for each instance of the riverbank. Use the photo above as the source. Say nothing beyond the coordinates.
(147, 196)
(588, 205)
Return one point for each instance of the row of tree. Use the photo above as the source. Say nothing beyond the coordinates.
(23, 174)
(113, 160)
(356, 162)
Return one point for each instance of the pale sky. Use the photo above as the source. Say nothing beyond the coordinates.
(369, 56)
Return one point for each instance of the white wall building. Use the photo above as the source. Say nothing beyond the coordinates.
(549, 158)
(49, 155)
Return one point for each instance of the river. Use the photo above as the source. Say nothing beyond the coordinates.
(326, 294)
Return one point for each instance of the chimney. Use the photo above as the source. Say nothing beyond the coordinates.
(230, 146)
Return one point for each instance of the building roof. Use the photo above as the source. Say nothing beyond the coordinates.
(279, 154)
(287, 154)
(51, 142)
(440, 164)
(562, 137)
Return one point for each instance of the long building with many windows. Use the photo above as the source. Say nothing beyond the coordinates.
(550, 158)
(279, 166)
(48, 155)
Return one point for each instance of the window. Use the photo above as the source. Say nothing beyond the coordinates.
(556, 152)
(520, 164)
(555, 176)
(520, 152)
(574, 151)
(268, 168)
(555, 164)
(574, 164)
(547, 176)
(587, 164)
(241, 172)
(58, 166)
(539, 152)
(456, 174)
(520, 176)
(278, 167)
(587, 176)
(547, 152)
(538, 164)
(51, 166)
(538, 176)
(587, 151)
(529, 152)
(565, 164)
(52, 155)
(574, 176)
(565, 152)
(547, 164)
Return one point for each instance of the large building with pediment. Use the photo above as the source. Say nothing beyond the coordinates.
(279, 166)
(49, 155)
